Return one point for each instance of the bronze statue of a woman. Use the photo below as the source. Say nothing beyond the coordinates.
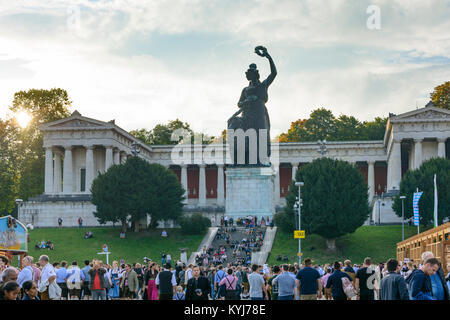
(252, 106)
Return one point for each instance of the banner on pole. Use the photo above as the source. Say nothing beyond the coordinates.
(416, 199)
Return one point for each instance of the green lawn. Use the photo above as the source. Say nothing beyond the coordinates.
(70, 244)
(377, 242)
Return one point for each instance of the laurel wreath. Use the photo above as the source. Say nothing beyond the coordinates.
(260, 51)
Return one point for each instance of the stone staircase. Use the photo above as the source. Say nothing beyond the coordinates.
(207, 240)
(269, 237)
(258, 257)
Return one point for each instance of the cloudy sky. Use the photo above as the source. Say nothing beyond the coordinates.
(148, 62)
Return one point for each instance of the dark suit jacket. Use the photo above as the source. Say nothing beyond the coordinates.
(203, 284)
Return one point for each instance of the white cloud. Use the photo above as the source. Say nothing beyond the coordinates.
(142, 90)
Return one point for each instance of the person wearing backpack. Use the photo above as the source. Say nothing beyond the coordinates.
(230, 283)
(335, 282)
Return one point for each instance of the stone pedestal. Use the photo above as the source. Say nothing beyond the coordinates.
(249, 192)
(183, 256)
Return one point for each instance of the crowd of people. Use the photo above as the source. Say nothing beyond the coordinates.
(43, 280)
(248, 222)
(233, 251)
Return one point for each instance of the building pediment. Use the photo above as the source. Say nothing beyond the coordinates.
(423, 114)
(76, 122)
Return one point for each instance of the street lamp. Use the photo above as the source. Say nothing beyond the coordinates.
(403, 217)
(299, 185)
(18, 202)
(322, 147)
(135, 148)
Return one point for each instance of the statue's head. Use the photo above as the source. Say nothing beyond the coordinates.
(252, 73)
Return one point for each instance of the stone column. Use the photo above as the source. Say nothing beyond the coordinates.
(109, 157)
(68, 171)
(395, 166)
(417, 153)
(117, 157)
(123, 157)
(184, 182)
(441, 148)
(90, 171)
(371, 179)
(220, 185)
(48, 184)
(294, 169)
(202, 186)
(276, 197)
(57, 179)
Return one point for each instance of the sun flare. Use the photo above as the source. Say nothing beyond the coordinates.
(23, 118)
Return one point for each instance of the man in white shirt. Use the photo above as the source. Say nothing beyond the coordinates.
(48, 273)
(27, 272)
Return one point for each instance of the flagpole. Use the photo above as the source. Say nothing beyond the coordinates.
(435, 203)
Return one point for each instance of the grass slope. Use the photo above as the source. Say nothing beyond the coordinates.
(70, 244)
(377, 242)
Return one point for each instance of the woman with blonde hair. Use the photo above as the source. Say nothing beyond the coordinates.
(179, 295)
(115, 275)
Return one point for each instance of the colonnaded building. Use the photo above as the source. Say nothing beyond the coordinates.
(78, 148)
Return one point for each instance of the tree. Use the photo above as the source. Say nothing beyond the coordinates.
(441, 96)
(296, 133)
(374, 130)
(347, 128)
(21, 154)
(162, 134)
(128, 192)
(320, 125)
(43, 106)
(335, 200)
(423, 179)
(143, 134)
(9, 174)
(323, 125)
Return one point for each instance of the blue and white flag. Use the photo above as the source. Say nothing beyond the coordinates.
(416, 199)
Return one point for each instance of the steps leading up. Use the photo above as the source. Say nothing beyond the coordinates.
(261, 257)
(207, 240)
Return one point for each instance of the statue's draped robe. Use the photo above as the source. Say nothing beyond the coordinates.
(254, 114)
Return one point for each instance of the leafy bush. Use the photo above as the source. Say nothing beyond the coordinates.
(423, 179)
(195, 224)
